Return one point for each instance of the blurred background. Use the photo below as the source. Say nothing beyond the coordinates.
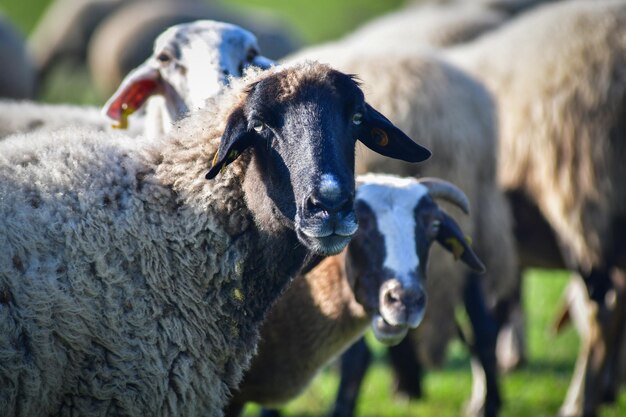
(66, 42)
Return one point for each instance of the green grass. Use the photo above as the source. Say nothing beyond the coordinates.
(534, 391)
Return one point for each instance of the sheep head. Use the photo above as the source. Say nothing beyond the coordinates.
(386, 260)
(302, 123)
(190, 63)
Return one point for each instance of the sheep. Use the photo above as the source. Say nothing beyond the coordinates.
(370, 282)
(28, 116)
(17, 72)
(434, 100)
(125, 38)
(209, 49)
(63, 30)
(558, 75)
(422, 25)
(130, 285)
(190, 63)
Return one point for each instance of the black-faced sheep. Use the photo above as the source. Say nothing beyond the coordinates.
(130, 285)
(17, 71)
(456, 117)
(379, 280)
(558, 74)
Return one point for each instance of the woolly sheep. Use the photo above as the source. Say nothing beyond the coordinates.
(17, 72)
(422, 25)
(379, 280)
(558, 75)
(132, 286)
(124, 40)
(28, 116)
(454, 115)
(63, 29)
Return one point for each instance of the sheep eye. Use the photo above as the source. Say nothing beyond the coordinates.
(357, 118)
(258, 126)
(164, 57)
(434, 227)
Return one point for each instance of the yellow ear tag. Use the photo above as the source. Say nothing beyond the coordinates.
(123, 123)
(457, 247)
(215, 157)
(238, 295)
(380, 136)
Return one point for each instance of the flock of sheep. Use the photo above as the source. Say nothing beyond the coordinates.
(251, 218)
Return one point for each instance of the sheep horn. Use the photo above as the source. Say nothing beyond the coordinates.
(446, 191)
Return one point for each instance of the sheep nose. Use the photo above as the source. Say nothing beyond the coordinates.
(330, 197)
(317, 204)
(403, 305)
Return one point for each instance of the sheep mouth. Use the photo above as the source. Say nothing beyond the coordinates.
(386, 333)
(327, 245)
(325, 237)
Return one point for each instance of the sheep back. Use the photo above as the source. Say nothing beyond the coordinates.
(561, 136)
(115, 298)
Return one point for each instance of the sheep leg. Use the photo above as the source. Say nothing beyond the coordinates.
(354, 364)
(407, 368)
(485, 400)
(603, 307)
(511, 342)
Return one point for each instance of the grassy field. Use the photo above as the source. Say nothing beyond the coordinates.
(535, 391)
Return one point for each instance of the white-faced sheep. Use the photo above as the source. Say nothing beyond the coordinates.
(190, 63)
(558, 74)
(455, 116)
(379, 280)
(17, 72)
(124, 40)
(130, 285)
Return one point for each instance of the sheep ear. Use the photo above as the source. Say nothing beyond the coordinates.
(451, 237)
(262, 62)
(138, 86)
(381, 136)
(235, 140)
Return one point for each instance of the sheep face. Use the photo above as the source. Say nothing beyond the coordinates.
(386, 260)
(190, 62)
(302, 124)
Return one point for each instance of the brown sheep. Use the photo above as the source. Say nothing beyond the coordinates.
(375, 279)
